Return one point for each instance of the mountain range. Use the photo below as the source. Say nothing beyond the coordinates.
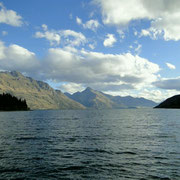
(39, 95)
(96, 99)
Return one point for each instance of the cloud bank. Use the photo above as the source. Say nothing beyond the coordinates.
(163, 15)
(105, 71)
(169, 84)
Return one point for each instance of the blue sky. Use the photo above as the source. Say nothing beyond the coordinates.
(116, 46)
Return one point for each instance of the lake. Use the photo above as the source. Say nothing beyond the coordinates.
(90, 144)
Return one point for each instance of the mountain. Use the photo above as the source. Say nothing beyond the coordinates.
(93, 99)
(171, 103)
(38, 94)
(96, 99)
(131, 101)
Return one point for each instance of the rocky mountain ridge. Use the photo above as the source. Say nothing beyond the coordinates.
(38, 94)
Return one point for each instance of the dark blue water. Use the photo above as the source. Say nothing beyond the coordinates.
(90, 144)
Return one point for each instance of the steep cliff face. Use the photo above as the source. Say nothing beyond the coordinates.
(38, 94)
(170, 103)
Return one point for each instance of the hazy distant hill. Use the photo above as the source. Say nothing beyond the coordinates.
(131, 101)
(95, 99)
(38, 95)
(171, 103)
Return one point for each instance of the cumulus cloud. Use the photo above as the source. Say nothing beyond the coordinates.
(145, 32)
(170, 66)
(81, 68)
(110, 40)
(78, 37)
(15, 57)
(53, 37)
(164, 15)
(107, 70)
(10, 17)
(91, 24)
(170, 84)
(69, 37)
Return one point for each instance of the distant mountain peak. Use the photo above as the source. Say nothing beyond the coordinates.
(95, 99)
(88, 89)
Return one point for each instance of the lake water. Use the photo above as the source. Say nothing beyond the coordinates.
(90, 144)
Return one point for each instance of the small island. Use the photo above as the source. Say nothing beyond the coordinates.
(12, 103)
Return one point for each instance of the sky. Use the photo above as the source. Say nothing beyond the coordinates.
(119, 47)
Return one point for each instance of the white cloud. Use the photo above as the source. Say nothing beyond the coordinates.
(110, 40)
(157, 95)
(81, 68)
(122, 12)
(78, 20)
(78, 37)
(135, 33)
(45, 27)
(145, 32)
(170, 66)
(71, 87)
(91, 24)
(123, 71)
(53, 37)
(164, 15)
(10, 17)
(69, 37)
(15, 57)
